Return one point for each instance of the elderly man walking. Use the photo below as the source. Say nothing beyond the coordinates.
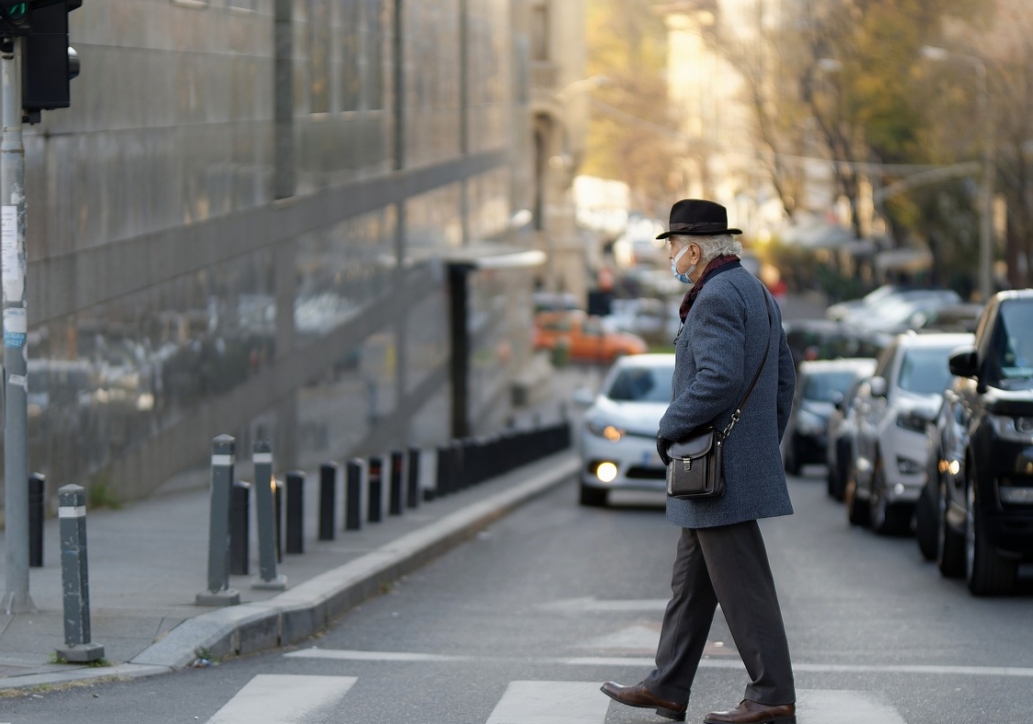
(731, 329)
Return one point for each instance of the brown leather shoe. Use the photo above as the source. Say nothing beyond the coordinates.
(639, 695)
(750, 712)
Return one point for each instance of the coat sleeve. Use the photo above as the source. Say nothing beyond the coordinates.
(786, 381)
(717, 349)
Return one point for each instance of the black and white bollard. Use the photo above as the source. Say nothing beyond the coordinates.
(240, 528)
(219, 592)
(412, 483)
(327, 499)
(353, 495)
(74, 577)
(395, 502)
(265, 514)
(296, 512)
(37, 505)
(375, 481)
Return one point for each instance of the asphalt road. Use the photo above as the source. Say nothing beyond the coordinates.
(522, 624)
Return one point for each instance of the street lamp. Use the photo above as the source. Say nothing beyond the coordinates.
(986, 251)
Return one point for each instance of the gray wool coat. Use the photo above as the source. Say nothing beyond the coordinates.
(717, 352)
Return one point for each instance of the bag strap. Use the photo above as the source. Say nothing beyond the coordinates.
(742, 403)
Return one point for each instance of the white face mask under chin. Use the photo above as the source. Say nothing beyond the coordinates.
(674, 267)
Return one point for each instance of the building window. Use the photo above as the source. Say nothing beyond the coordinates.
(351, 61)
(540, 32)
(319, 56)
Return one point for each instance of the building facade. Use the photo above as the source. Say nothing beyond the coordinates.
(254, 220)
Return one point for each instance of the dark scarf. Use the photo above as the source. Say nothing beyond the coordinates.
(716, 263)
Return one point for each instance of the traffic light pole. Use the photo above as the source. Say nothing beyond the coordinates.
(15, 375)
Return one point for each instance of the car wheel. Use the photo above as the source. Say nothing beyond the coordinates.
(885, 517)
(950, 547)
(592, 497)
(791, 462)
(856, 510)
(925, 520)
(842, 461)
(986, 572)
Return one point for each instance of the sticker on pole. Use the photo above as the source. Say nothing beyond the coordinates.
(14, 327)
(9, 243)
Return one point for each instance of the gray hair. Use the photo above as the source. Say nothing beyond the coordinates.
(712, 247)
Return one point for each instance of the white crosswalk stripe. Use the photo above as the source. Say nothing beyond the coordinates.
(843, 707)
(276, 699)
(291, 699)
(551, 702)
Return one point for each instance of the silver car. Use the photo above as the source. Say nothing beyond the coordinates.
(894, 406)
(618, 430)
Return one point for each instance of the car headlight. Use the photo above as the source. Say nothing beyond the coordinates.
(1013, 429)
(911, 421)
(906, 466)
(604, 430)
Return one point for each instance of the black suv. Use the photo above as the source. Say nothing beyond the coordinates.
(982, 485)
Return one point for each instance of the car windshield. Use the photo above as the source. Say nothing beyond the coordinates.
(642, 384)
(924, 371)
(827, 386)
(1014, 345)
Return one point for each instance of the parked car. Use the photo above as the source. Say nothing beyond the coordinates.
(839, 448)
(983, 491)
(819, 386)
(654, 320)
(618, 430)
(895, 405)
(815, 339)
(584, 338)
(887, 300)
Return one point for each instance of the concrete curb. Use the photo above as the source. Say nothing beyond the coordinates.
(311, 606)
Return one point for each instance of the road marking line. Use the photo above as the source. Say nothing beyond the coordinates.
(830, 706)
(345, 655)
(402, 656)
(278, 699)
(550, 702)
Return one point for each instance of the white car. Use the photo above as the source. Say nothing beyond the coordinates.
(618, 430)
(891, 447)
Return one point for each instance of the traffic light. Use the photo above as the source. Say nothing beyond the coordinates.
(48, 62)
(14, 17)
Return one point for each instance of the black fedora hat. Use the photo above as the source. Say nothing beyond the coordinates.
(696, 217)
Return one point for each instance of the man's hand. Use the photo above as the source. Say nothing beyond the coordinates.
(662, 443)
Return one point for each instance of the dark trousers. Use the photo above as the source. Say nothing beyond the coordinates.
(726, 565)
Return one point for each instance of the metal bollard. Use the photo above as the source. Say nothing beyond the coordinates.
(240, 524)
(296, 512)
(37, 503)
(75, 581)
(376, 485)
(412, 498)
(266, 513)
(395, 503)
(219, 592)
(353, 496)
(278, 516)
(327, 502)
(443, 480)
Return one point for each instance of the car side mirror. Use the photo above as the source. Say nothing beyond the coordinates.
(877, 386)
(837, 400)
(964, 362)
(583, 396)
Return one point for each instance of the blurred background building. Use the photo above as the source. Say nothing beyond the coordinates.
(303, 221)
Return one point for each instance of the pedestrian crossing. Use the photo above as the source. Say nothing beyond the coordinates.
(299, 699)
(283, 699)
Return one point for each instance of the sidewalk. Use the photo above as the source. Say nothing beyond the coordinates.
(148, 561)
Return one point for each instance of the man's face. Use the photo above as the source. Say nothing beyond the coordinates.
(676, 244)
